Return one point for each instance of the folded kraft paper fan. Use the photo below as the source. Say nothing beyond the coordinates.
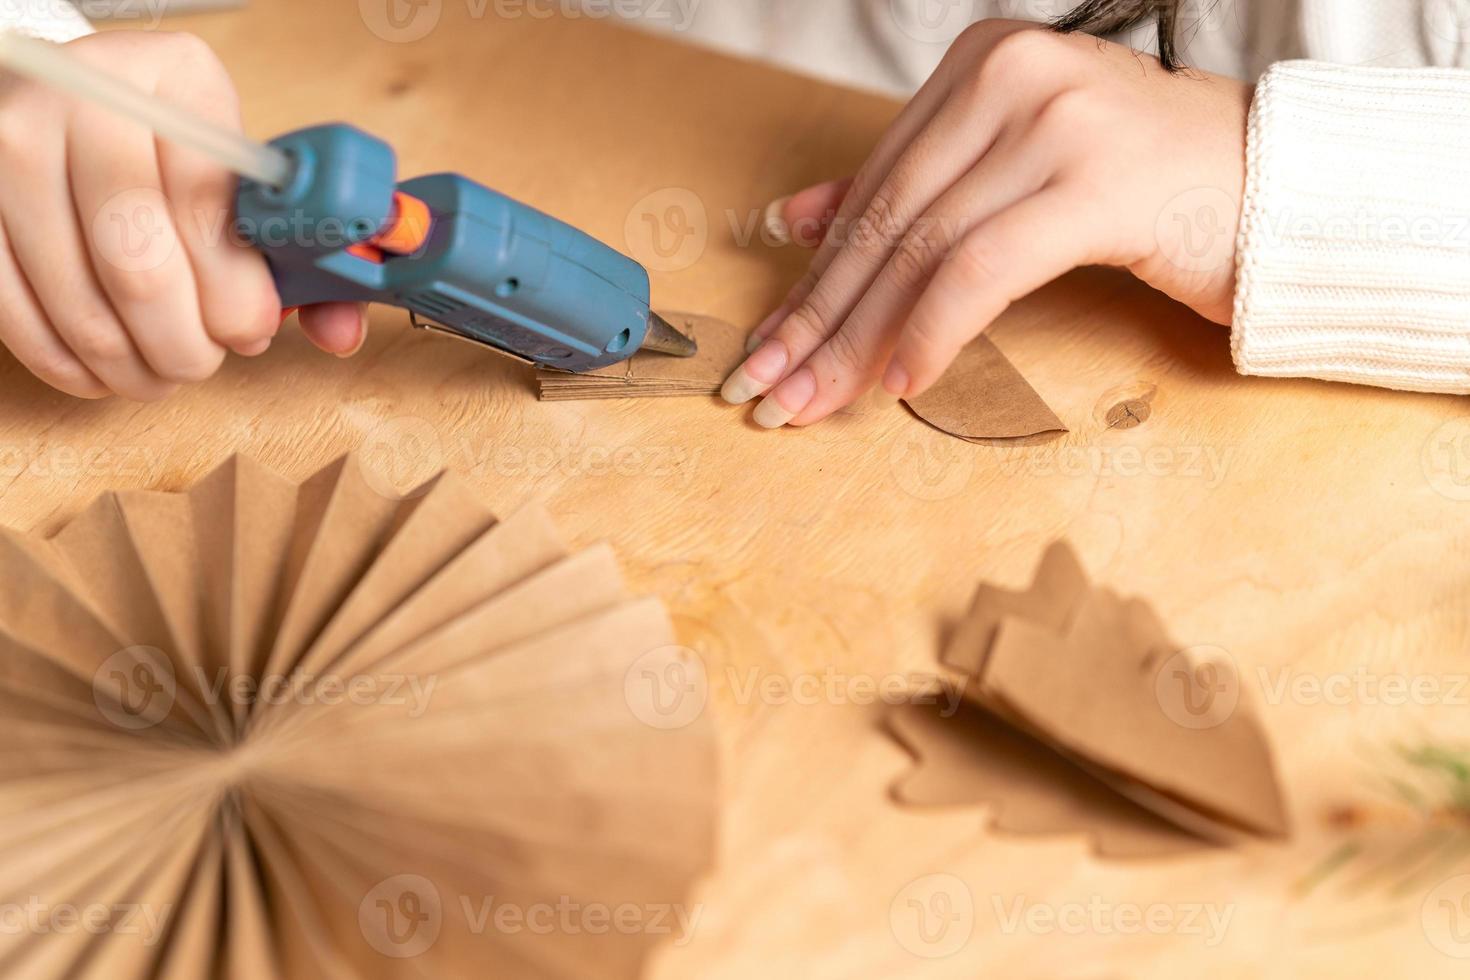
(262, 730)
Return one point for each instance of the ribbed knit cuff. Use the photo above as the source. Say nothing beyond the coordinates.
(49, 20)
(1354, 245)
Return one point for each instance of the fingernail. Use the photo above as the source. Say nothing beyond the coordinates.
(757, 373)
(254, 349)
(778, 232)
(896, 380)
(787, 401)
(362, 332)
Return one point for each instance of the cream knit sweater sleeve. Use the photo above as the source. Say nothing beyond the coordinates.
(1354, 242)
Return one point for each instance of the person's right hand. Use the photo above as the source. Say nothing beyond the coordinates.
(118, 271)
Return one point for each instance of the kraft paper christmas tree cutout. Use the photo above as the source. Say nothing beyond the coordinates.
(1095, 680)
(258, 729)
(1029, 789)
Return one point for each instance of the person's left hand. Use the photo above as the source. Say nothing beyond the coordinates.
(1025, 155)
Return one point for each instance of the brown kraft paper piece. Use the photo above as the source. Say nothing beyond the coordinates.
(982, 396)
(1095, 680)
(307, 720)
(975, 757)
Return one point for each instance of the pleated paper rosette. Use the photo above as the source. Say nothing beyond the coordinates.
(258, 729)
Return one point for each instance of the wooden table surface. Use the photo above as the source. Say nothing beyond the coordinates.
(1314, 531)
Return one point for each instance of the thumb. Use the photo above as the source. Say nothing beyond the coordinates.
(337, 328)
(805, 216)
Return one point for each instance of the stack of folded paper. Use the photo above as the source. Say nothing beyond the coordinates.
(652, 375)
(259, 729)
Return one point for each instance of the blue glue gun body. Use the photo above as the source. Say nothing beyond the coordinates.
(483, 266)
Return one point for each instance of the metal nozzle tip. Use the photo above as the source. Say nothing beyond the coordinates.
(663, 337)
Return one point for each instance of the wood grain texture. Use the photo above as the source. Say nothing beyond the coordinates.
(1311, 530)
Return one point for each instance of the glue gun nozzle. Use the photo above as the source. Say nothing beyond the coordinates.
(665, 338)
